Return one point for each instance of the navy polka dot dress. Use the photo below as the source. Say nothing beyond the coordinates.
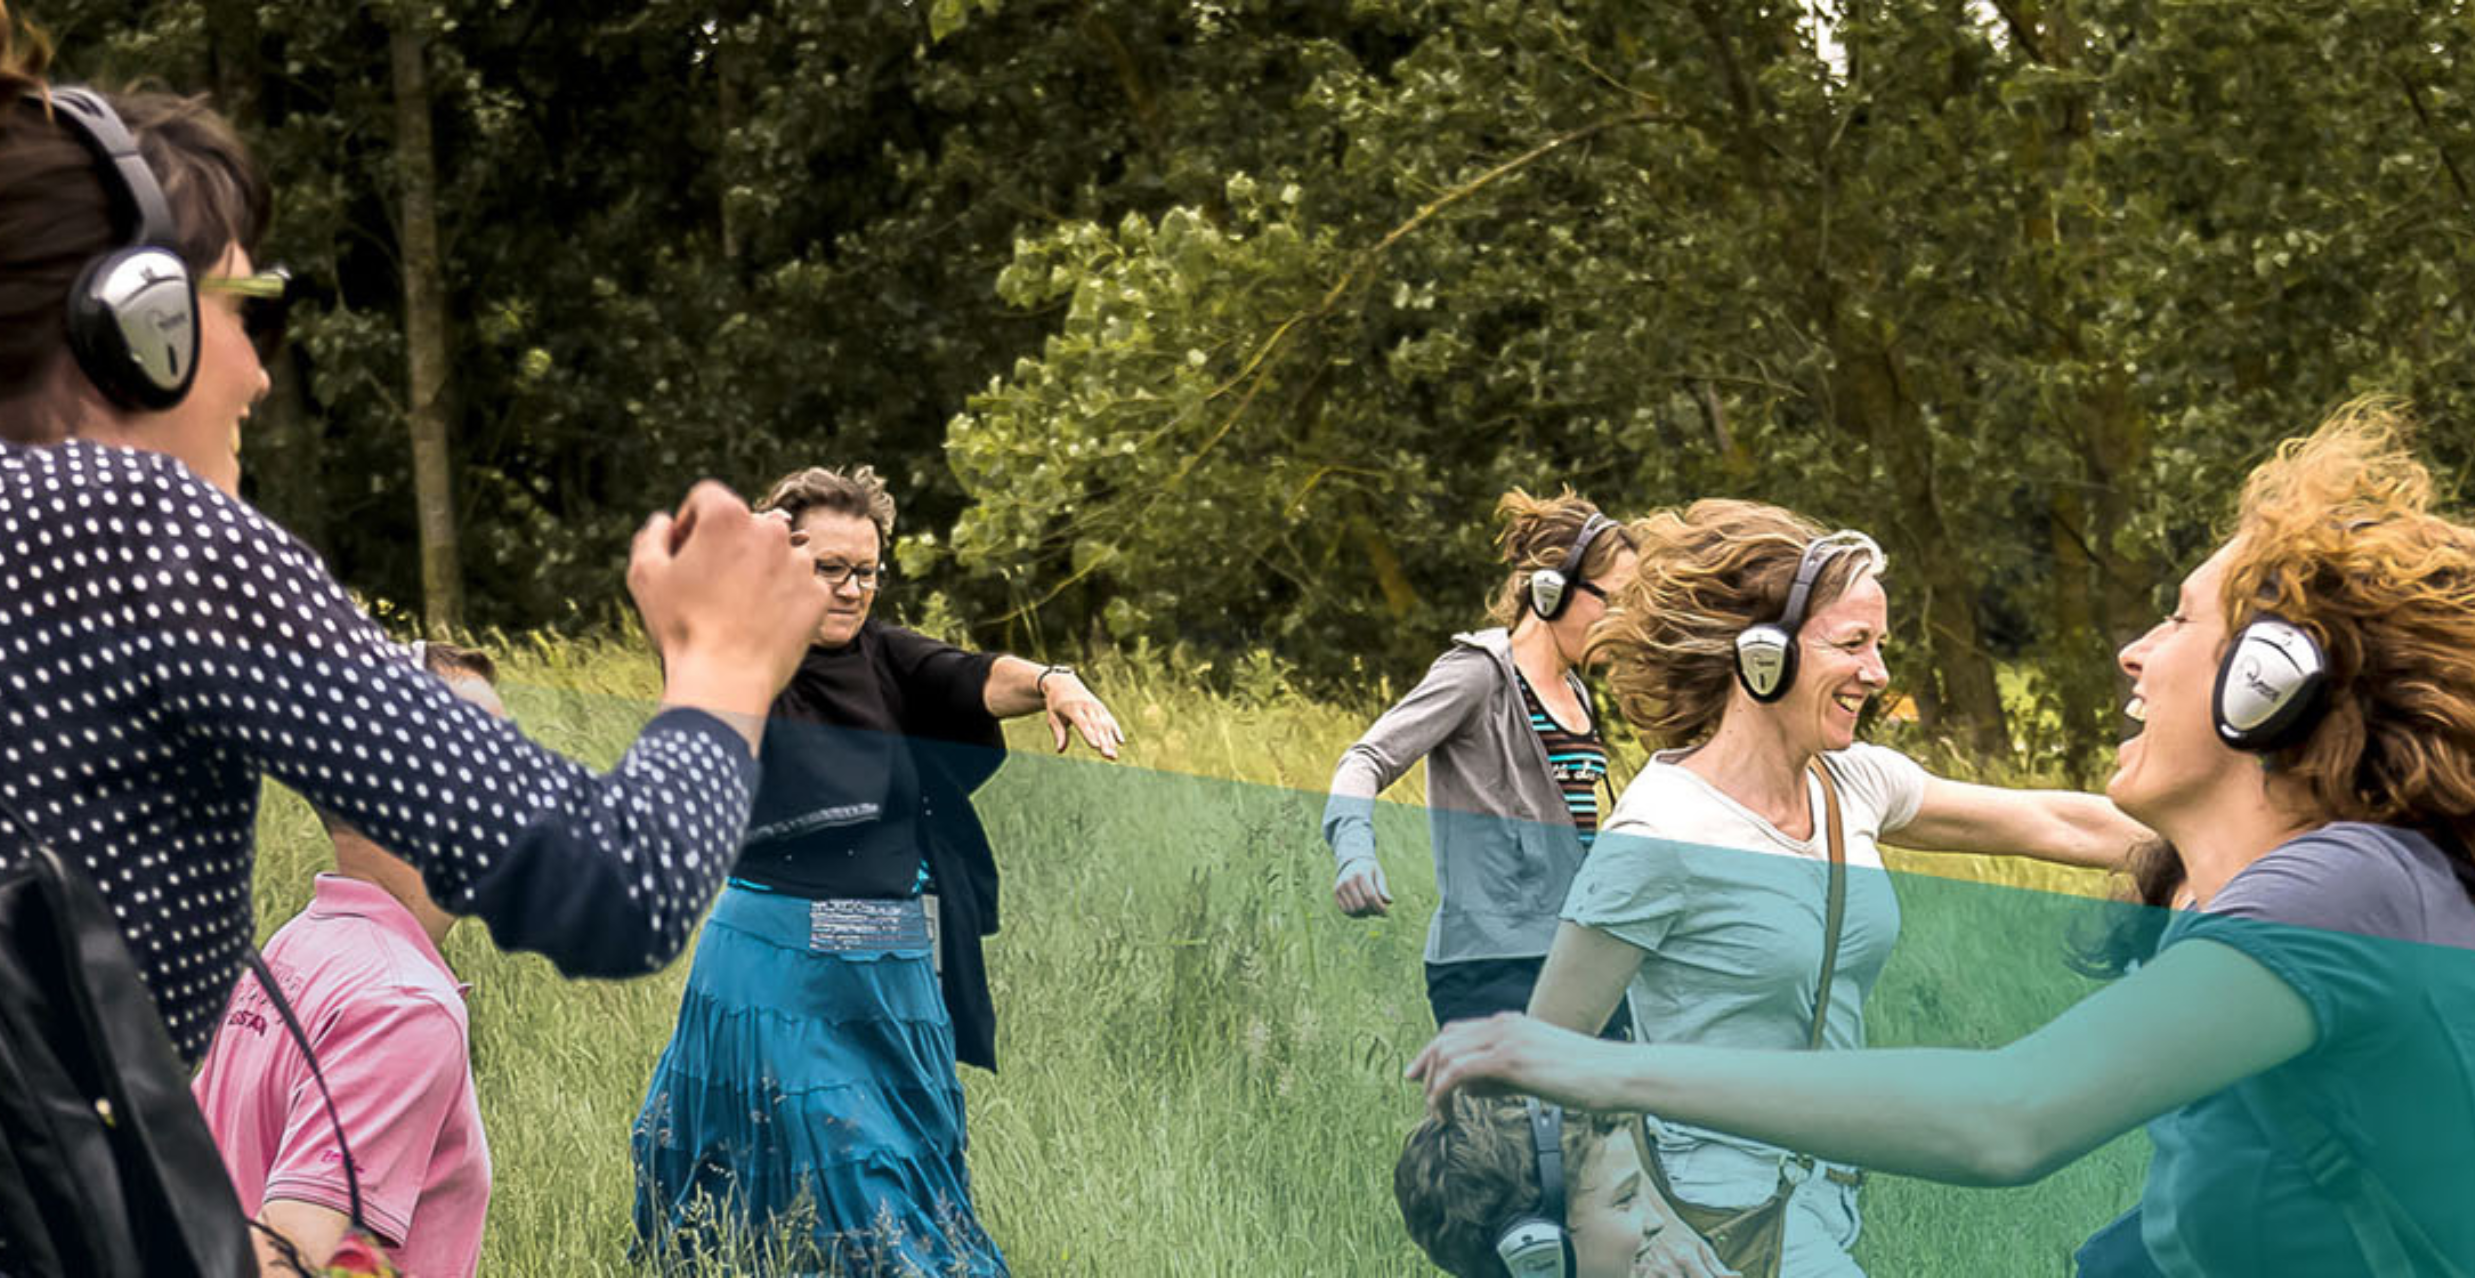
(163, 645)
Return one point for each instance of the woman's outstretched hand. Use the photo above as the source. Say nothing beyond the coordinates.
(1509, 1052)
(727, 602)
(1073, 707)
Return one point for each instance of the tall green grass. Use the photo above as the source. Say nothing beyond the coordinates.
(1200, 1057)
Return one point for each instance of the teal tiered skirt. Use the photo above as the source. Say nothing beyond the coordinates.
(806, 1116)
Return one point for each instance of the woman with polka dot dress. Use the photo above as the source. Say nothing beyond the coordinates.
(165, 646)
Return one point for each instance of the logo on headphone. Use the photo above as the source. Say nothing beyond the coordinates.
(2271, 687)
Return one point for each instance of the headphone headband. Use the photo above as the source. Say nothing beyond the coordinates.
(1766, 651)
(126, 178)
(1818, 555)
(1551, 589)
(1536, 1243)
(1547, 1141)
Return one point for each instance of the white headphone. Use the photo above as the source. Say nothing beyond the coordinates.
(2271, 686)
(1766, 652)
(1552, 589)
(1535, 1243)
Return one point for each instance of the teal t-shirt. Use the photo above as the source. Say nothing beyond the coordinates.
(2374, 929)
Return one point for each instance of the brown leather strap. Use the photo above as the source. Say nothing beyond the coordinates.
(1838, 908)
(1834, 914)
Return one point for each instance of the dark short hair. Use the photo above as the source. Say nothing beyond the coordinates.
(56, 214)
(860, 494)
(445, 659)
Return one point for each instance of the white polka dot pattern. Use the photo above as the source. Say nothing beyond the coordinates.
(162, 645)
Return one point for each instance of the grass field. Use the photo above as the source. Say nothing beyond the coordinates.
(1201, 1056)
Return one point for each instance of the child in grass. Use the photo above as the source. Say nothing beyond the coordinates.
(361, 965)
(1473, 1174)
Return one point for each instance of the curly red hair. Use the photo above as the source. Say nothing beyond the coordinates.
(2338, 534)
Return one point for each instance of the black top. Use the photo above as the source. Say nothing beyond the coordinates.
(163, 645)
(871, 754)
(838, 809)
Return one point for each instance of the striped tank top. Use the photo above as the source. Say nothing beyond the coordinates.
(1577, 760)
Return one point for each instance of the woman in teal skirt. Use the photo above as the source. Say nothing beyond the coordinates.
(806, 1111)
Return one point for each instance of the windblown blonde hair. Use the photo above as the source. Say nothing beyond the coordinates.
(2337, 534)
(1537, 533)
(1707, 572)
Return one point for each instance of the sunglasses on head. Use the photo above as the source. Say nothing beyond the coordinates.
(266, 301)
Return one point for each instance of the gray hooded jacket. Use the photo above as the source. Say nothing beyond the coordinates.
(1505, 847)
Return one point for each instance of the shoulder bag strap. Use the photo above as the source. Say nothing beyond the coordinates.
(1835, 914)
(300, 1037)
(1837, 911)
(2385, 1231)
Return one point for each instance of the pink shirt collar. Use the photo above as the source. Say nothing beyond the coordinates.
(338, 896)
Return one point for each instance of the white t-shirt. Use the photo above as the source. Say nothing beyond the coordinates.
(1730, 912)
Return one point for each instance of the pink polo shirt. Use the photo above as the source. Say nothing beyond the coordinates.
(387, 1020)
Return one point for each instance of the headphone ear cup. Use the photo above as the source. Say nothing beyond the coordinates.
(133, 327)
(1535, 1247)
(1765, 662)
(1548, 594)
(2271, 686)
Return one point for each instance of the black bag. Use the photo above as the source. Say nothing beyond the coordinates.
(106, 1167)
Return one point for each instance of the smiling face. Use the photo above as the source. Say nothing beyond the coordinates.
(1607, 1210)
(836, 540)
(2175, 760)
(203, 431)
(1839, 667)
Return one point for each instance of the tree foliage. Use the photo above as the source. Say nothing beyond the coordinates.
(1223, 324)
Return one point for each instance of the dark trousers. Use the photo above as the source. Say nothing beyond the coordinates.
(1483, 987)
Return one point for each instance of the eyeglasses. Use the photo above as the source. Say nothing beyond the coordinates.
(266, 302)
(834, 573)
(1591, 588)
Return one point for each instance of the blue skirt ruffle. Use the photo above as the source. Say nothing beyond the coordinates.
(806, 1114)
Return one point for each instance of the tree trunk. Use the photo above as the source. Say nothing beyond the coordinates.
(425, 329)
(282, 472)
(1874, 404)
